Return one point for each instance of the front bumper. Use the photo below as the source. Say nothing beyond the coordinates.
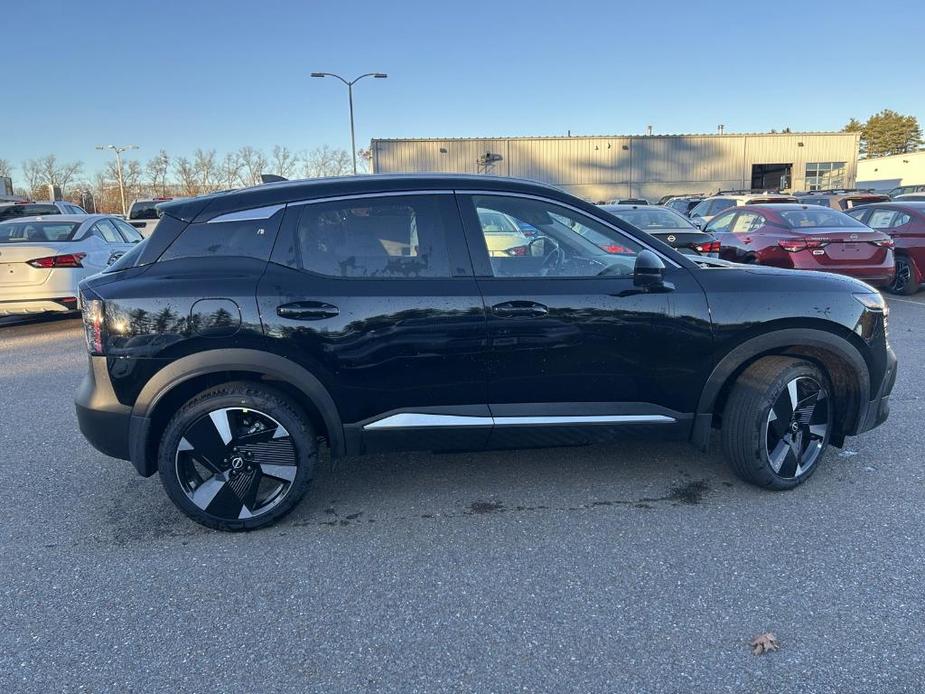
(879, 407)
(103, 420)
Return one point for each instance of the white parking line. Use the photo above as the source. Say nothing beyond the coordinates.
(907, 301)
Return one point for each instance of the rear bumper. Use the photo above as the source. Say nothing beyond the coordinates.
(28, 307)
(103, 420)
(879, 407)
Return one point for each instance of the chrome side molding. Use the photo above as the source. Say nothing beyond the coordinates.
(415, 420)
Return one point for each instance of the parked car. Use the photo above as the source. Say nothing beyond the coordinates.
(905, 190)
(684, 204)
(905, 223)
(841, 199)
(909, 197)
(805, 237)
(628, 201)
(668, 227)
(13, 210)
(367, 312)
(143, 215)
(42, 259)
(708, 208)
(503, 235)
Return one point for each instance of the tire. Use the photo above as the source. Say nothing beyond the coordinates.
(762, 430)
(238, 456)
(904, 282)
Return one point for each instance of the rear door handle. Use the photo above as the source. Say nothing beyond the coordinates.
(307, 310)
(519, 309)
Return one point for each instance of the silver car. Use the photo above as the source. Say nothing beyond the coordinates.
(43, 258)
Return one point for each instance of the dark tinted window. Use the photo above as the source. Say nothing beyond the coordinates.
(252, 238)
(144, 210)
(14, 211)
(384, 237)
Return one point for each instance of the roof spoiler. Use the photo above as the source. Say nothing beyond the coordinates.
(272, 178)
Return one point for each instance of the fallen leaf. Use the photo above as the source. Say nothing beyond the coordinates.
(764, 643)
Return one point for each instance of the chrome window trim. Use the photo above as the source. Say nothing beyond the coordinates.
(531, 196)
(247, 215)
(416, 420)
(384, 194)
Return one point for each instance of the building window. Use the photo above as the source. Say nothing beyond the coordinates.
(824, 175)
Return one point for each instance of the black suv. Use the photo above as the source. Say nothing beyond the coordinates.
(453, 312)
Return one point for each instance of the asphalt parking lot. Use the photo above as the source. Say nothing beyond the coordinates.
(643, 567)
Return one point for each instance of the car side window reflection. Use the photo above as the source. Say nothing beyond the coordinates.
(721, 223)
(534, 238)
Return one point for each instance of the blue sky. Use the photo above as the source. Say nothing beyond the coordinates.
(182, 75)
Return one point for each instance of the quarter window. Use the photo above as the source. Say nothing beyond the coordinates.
(105, 229)
(901, 219)
(881, 219)
(130, 233)
(542, 239)
(251, 238)
(375, 238)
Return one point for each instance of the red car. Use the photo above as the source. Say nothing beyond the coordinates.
(804, 237)
(905, 222)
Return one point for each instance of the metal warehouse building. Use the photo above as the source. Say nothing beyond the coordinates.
(648, 166)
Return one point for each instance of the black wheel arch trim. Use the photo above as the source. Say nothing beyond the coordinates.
(267, 364)
(767, 344)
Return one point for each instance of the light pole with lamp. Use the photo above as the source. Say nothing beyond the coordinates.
(118, 150)
(350, 83)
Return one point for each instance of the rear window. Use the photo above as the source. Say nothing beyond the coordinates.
(37, 232)
(251, 238)
(848, 203)
(769, 201)
(651, 219)
(816, 218)
(144, 210)
(14, 211)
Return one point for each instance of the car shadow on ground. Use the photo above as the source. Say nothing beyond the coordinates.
(383, 490)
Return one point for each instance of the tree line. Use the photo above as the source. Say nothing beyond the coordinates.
(166, 175)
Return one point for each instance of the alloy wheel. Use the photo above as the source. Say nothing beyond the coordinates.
(796, 430)
(236, 463)
(902, 278)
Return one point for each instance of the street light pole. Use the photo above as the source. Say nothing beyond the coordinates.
(350, 83)
(118, 150)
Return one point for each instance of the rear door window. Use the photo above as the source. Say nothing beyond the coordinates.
(746, 222)
(721, 223)
(130, 233)
(107, 231)
(881, 219)
(388, 237)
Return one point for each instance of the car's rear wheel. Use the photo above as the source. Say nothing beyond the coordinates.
(904, 281)
(777, 422)
(238, 456)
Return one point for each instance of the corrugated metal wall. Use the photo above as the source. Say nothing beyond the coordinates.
(600, 168)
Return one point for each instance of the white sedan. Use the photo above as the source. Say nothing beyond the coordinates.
(42, 259)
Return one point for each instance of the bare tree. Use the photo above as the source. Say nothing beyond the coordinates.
(57, 174)
(186, 176)
(365, 159)
(230, 170)
(253, 163)
(158, 168)
(327, 161)
(206, 169)
(6, 169)
(284, 162)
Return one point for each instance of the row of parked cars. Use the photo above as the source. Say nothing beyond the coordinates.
(872, 236)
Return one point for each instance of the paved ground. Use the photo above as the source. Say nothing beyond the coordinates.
(632, 568)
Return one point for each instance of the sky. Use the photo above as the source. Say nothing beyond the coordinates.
(219, 75)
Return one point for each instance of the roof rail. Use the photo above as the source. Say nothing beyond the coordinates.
(749, 191)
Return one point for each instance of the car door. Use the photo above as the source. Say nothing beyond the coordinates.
(375, 296)
(577, 352)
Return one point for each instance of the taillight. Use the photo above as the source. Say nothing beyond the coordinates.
(56, 261)
(94, 314)
(794, 245)
(884, 243)
(708, 247)
(616, 249)
(517, 250)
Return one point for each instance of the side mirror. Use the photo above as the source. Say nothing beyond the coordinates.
(649, 270)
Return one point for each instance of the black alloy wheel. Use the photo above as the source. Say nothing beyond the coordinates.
(797, 427)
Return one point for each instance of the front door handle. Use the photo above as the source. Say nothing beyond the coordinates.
(307, 310)
(519, 309)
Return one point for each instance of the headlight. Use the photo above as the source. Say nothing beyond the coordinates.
(874, 302)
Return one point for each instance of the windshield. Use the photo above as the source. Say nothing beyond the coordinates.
(144, 210)
(37, 232)
(652, 219)
(816, 218)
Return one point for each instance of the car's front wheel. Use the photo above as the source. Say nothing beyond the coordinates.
(904, 281)
(777, 422)
(238, 456)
